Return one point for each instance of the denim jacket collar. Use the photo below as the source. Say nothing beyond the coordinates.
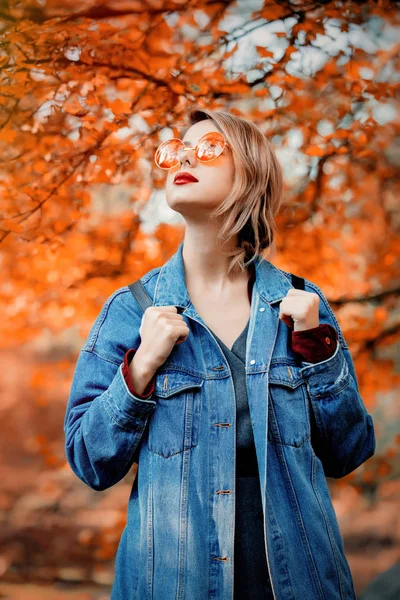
(271, 283)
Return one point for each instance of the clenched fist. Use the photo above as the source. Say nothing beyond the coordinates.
(161, 329)
(300, 309)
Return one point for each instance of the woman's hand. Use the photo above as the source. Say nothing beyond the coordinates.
(161, 329)
(300, 309)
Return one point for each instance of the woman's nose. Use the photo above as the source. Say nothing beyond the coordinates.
(187, 155)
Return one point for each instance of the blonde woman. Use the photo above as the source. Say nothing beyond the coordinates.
(235, 393)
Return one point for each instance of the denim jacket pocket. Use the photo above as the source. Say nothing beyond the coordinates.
(175, 422)
(289, 421)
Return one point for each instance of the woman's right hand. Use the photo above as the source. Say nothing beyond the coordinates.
(161, 329)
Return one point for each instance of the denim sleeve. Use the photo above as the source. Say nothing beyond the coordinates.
(343, 434)
(104, 421)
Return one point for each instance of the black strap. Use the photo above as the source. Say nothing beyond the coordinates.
(297, 282)
(138, 291)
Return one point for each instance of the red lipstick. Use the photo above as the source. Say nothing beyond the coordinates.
(184, 177)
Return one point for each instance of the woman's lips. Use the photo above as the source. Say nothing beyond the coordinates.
(184, 177)
(183, 181)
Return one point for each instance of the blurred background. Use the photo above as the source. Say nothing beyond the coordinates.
(88, 90)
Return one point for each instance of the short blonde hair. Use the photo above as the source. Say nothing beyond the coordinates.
(250, 208)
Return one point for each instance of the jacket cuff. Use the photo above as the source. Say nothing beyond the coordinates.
(129, 354)
(316, 344)
(126, 408)
(327, 377)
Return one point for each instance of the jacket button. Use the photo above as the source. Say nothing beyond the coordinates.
(252, 362)
(328, 340)
(262, 309)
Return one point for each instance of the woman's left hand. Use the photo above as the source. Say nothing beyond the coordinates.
(300, 309)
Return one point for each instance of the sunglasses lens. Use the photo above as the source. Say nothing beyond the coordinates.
(210, 146)
(167, 154)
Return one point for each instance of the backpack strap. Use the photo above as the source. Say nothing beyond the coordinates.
(138, 292)
(297, 282)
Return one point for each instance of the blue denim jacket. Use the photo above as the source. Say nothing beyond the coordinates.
(309, 421)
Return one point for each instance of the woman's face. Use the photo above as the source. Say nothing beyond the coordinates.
(215, 179)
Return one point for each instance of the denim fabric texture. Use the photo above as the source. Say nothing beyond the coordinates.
(309, 422)
(251, 573)
(312, 345)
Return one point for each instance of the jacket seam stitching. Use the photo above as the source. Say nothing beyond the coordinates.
(112, 416)
(103, 315)
(114, 419)
(101, 357)
(128, 455)
(148, 277)
(303, 529)
(124, 290)
(320, 395)
(327, 524)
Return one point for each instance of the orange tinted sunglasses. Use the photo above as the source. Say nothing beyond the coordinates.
(208, 148)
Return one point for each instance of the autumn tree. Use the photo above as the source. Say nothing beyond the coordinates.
(88, 89)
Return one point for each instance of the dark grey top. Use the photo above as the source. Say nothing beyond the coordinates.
(251, 577)
(246, 459)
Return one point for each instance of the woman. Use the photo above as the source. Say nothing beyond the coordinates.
(235, 392)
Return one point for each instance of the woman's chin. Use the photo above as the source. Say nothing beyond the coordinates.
(180, 198)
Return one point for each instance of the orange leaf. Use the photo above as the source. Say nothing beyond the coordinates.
(315, 150)
(273, 12)
(118, 106)
(264, 53)
(261, 92)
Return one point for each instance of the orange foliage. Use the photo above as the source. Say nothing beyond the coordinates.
(87, 87)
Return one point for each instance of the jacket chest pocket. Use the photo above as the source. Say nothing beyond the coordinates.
(175, 423)
(289, 421)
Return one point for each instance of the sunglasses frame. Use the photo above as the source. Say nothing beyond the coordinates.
(191, 148)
